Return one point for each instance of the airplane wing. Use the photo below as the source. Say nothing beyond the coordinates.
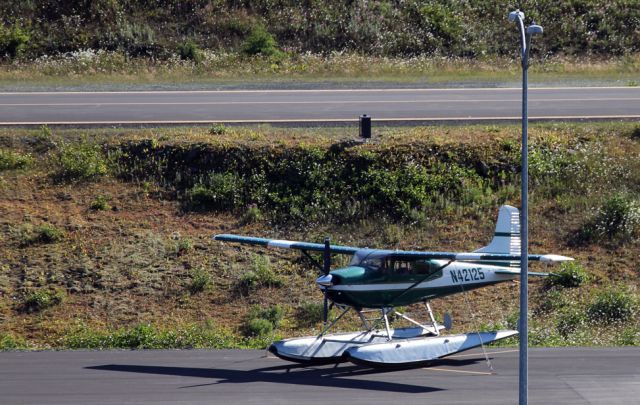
(285, 244)
(399, 254)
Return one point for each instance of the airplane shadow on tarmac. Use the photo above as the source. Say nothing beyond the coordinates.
(296, 374)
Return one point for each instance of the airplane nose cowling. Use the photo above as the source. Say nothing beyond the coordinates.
(325, 280)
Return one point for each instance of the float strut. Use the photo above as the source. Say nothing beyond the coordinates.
(385, 311)
(365, 323)
(432, 318)
(326, 328)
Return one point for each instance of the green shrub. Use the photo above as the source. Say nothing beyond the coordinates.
(548, 168)
(9, 342)
(252, 215)
(183, 246)
(310, 313)
(443, 28)
(570, 320)
(137, 39)
(630, 336)
(48, 233)
(218, 129)
(43, 140)
(150, 337)
(220, 191)
(446, 26)
(415, 186)
(273, 314)
(553, 300)
(45, 233)
(260, 42)
(13, 41)
(262, 321)
(249, 280)
(300, 184)
(11, 160)
(612, 305)
(570, 274)
(45, 132)
(143, 336)
(189, 50)
(139, 337)
(100, 203)
(200, 281)
(258, 327)
(80, 161)
(313, 184)
(261, 275)
(41, 299)
(616, 221)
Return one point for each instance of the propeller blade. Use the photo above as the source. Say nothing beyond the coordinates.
(325, 309)
(326, 269)
(327, 256)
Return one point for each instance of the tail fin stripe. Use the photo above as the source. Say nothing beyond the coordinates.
(507, 234)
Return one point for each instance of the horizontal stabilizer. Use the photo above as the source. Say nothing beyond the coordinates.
(554, 259)
(531, 273)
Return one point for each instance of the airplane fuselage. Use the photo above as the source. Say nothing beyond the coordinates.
(398, 285)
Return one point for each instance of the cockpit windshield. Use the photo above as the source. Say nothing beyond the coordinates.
(373, 263)
(369, 259)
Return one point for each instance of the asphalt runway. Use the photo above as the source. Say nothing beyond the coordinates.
(321, 106)
(557, 376)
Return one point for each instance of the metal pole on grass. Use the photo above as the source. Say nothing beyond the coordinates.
(525, 42)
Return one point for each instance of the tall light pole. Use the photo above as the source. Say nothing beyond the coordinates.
(517, 16)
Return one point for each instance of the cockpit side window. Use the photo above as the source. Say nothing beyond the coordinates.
(398, 266)
(426, 267)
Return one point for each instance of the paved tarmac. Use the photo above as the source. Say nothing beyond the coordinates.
(321, 106)
(557, 376)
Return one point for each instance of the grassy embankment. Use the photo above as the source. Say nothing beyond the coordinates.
(106, 233)
(104, 70)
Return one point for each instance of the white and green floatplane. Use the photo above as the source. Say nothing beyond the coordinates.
(382, 280)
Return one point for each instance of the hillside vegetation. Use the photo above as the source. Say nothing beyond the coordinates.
(106, 236)
(113, 44)
(458, 28)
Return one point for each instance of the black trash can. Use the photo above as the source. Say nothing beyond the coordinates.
(365, 126)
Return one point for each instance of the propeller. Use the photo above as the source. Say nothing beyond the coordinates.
(326, 268)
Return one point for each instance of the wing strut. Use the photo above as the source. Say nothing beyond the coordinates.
(325, 268)
(313, 261)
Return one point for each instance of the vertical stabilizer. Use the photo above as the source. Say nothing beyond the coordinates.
(506, 238)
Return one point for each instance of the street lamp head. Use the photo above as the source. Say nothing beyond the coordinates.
(534, 29)
(513, 16)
